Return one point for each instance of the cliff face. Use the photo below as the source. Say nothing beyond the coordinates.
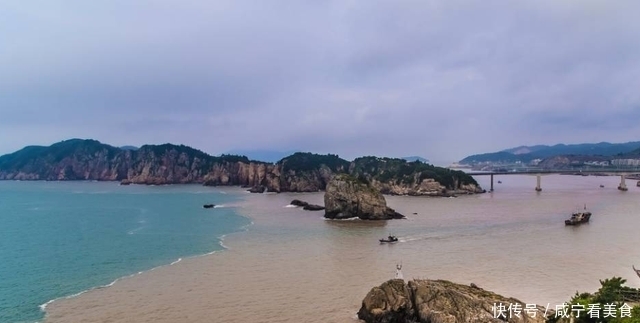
(172, 164)
(439, 301)
(428, 186)
(68, 160)
(239, 173)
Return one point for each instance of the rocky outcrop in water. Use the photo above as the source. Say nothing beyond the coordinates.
(347, 197)
(78, 159)
(439, 301)
(306, 206)
(257, 189)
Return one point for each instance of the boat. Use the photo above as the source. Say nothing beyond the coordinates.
(601, 186)
(499, 182)
(636, 270)
(208, 206)
(389, 239)
(579, 217)
(638, 183)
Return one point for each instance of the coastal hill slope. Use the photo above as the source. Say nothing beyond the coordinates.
(526, 154)
(79, 159)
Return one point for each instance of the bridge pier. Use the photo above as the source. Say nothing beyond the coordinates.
(538, 179)
(623, 185)
(491, 183)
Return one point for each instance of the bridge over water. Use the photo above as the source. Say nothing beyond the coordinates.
(539, 172)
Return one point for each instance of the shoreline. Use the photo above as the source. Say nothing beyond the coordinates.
(72, 307)
(242, 229)
(246, 189)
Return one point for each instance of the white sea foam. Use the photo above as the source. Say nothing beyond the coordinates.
(349, 219)
(43, 307)
(290, 205)
(210, 253)
(219, 206)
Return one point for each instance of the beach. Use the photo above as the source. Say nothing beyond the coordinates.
(292, 265)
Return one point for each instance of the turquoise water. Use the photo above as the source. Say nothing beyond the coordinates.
(61, 238)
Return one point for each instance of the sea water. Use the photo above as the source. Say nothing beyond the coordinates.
(294, 266)
(59, 239)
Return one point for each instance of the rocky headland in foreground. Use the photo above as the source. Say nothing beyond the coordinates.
(438, 301)
(79, 159)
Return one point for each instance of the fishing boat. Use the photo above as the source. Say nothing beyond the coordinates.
(579, 217)
(389, 239)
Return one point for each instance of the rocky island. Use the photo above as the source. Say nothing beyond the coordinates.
(348, 197)
(79, 159)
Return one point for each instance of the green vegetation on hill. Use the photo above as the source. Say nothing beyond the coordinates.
(497, 157)
(612, 292)
(205, 161)
(400, 171)
(303, 162)
(19, 158)
(542, 152)
(415, 158)
(35, 155)
(79, 148)
(160, 150)
(234, 159)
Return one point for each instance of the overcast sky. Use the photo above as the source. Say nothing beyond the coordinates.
(441, 79)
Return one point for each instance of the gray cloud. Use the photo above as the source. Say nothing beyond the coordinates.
(442, 79)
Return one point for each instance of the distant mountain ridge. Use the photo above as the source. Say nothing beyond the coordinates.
(79, 159)
(527, 154)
